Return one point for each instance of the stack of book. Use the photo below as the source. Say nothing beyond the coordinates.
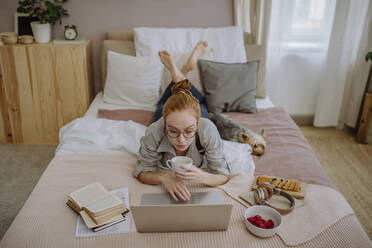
(97, 207)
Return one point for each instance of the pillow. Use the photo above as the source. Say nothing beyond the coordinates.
(132, 82)
(119, 46)
(229, 87)
(141, 116)
(193, 76)
(227, 42)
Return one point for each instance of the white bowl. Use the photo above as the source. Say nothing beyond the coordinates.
(266, 213)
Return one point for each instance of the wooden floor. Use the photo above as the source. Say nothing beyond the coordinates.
(348, 165)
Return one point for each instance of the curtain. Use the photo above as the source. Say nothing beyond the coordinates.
(358, 78)
(297, 50)
(250, 15)
(312, 56)
(343, 67)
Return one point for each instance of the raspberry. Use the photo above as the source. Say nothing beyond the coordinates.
(270, 223)
(251, 220)
(258, 221)
(257, 217)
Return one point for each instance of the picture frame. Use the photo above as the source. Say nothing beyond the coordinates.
(22, 23)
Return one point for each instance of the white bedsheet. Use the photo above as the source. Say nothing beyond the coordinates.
(98, 103)
(101, 136)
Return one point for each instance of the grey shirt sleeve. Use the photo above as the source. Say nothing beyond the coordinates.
(148, 155)
(211, 141)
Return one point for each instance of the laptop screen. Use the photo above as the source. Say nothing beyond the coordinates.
(202, 198)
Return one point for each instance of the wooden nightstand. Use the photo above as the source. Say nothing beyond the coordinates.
(42, 88)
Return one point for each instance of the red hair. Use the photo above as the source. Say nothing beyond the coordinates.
(181, 99)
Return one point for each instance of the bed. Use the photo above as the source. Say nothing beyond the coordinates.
(45, 220)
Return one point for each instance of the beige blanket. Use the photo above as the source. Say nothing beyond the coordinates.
(45, 220)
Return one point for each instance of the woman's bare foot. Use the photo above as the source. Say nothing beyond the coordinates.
(168, 62)
(190, 65)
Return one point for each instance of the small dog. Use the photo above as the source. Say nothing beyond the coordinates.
(230, 130)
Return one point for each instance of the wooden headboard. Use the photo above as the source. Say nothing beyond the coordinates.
(122, 41)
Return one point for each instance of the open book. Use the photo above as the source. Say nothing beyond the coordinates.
(96, 205)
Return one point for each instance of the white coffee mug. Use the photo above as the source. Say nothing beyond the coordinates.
(176, 162)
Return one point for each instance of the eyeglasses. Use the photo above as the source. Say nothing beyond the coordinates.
(187, 134)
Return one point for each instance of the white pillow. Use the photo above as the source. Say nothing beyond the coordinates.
(193, 76)
(227, 42)
(132, 82)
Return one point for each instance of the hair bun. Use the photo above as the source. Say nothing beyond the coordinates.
(182, 87)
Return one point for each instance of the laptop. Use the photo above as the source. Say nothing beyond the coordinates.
(158, 212)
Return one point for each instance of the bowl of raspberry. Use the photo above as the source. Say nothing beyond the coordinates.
(262, 221)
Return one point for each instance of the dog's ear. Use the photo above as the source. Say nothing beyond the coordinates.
(263, 134)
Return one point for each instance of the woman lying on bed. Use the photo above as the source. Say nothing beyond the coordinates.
(180, 131)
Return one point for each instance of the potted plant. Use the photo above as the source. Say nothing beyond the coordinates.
(48, 13)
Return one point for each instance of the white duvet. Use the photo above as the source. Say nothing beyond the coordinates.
(101, 136)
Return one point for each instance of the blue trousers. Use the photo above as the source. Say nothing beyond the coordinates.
(168, 92)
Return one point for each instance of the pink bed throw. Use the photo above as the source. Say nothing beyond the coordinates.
(141, 116)
(287, 154)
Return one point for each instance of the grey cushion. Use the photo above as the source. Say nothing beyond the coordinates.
(229, 87)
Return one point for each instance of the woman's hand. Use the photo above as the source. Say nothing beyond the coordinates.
(175, 186)
(200, 176)
(192, 173)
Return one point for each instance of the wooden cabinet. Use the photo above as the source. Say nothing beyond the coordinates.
(42, 88)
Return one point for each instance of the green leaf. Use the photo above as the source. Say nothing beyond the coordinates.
(20, 10)
(49, 5)
(53, 12)
(369, 56)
